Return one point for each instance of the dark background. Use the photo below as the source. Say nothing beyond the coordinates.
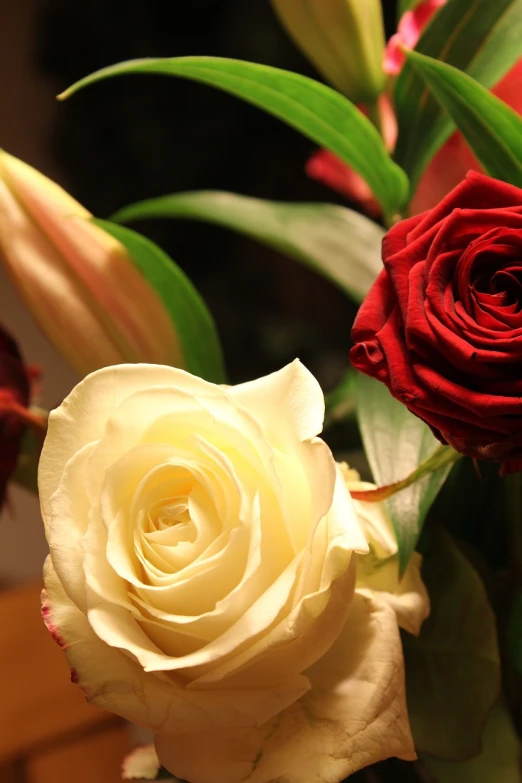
(143, 136)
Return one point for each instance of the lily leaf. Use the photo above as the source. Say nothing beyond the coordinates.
(339, 243)
(315, 110)
(396, 444)
(453, 667)
(491, 128)
(482, 38)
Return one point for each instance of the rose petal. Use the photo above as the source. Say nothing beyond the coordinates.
(354, 715)
(83, 415)
(115, 682)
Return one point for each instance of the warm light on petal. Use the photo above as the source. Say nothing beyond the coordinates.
(202, 577)
(378, 571)
(354, 715)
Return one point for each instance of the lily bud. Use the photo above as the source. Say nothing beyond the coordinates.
(343, 38)
(78, 281)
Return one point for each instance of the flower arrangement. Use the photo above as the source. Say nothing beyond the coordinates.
(215, 573)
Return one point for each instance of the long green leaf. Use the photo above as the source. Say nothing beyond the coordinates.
(396, 443)
(481, 37)
(194, 324)
(491, 128)
(337, 242)
(317, 111)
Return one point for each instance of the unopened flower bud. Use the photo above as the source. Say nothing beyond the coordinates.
(343, 38)
(78, 281)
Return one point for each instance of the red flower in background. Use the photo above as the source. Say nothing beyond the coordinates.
(442, 324)
(14, 399)
(451, 163)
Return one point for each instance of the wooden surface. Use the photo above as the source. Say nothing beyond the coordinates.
(49, 734)
(92, 758)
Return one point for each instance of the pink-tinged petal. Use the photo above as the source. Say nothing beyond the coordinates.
(327, 168)
(408, 33)
(77, 280)
(354, 715)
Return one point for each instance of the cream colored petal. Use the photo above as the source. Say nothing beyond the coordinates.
(114, 682)
(289, 400)
(354, 715)
(376, 522)
(315, 613)
(408, 596)
(294, 642)
(67, 525)
(289, 406)
(142, 763)
(83, 415)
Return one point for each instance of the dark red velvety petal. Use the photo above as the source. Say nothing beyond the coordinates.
(14, 393)
(442, 327)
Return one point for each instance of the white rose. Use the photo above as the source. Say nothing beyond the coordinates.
(202, 571)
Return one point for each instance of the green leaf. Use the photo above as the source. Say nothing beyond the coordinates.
(195, 327)
(317, 111)
(453, 667)
(499, 761)
(481, 37)
(396, 443)
(337, 242)
(491, 128)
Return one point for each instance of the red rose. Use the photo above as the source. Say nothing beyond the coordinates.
(442, 324)
(14, 398)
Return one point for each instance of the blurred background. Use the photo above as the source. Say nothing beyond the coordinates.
(114, 144)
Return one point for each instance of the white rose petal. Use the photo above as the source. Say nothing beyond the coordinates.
(202, 569)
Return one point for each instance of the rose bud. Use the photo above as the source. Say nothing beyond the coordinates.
(14, 399)
(442, 324)
(202, 574)
(343, 38)
(77, 280)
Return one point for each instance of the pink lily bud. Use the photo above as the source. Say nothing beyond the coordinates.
(343, 38)
(78, 281)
